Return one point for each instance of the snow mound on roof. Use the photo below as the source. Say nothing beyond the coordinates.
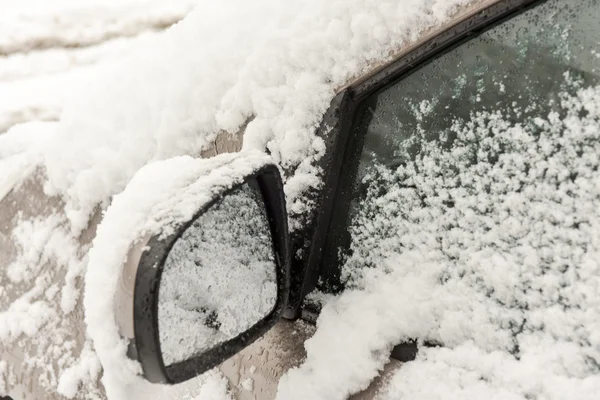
(274, 63)
(33, 24)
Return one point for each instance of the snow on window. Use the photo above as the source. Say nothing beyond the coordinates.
(489, 249)
(509, 215)
(503, 231)
(474, 224)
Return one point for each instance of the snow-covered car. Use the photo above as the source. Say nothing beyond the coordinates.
(330, 200)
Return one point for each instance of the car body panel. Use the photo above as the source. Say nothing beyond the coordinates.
(266, 360)
(28, 201)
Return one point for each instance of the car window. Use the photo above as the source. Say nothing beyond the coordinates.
(510, 114)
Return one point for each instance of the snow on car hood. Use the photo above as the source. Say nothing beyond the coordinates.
(276, 64)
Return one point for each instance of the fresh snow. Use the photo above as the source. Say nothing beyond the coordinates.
(281, 69)
(497, 261)
(42, 42)
(219, 278)
(35, 85)
(272, 66)
(147, 206)
(27, 25)
(128, 114)
(20, 151)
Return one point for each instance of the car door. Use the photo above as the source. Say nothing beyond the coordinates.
(390, 134)
(519, 59)
(432, 148)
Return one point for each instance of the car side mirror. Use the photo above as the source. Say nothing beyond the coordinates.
(215, 283)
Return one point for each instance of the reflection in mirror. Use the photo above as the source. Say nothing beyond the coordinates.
(219, 278)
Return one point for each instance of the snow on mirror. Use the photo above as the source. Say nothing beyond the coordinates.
(219, 278)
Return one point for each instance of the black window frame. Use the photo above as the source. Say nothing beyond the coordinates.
(340, 161)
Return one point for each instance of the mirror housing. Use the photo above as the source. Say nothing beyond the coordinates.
(146, 344)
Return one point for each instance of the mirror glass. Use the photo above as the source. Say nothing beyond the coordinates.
(219, 279)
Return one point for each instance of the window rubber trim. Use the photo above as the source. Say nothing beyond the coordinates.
(339, 121)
